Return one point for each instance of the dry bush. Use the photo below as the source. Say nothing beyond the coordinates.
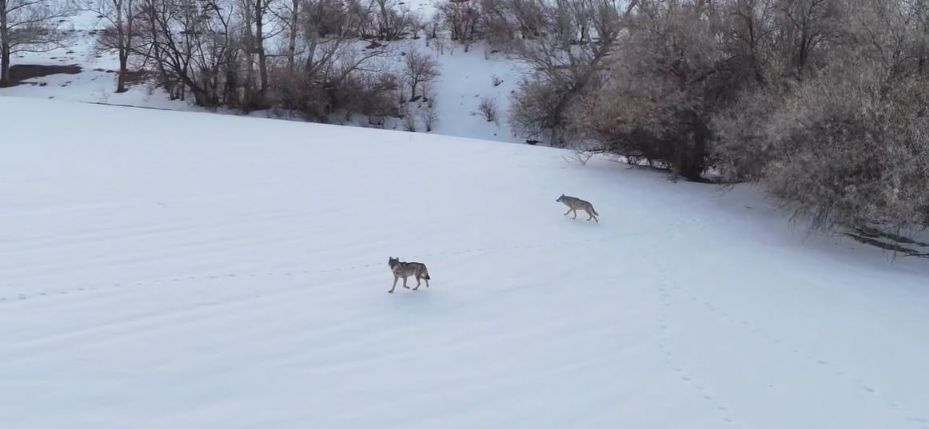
(372, 92)
(660, 113)
(847, 144)
(532, 113)
(846, 152)
(496, 22)
(742, 148)
(391, 19)
(488, 109)
(568, 63)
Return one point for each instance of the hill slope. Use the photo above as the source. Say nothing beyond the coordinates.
(184, 270)
(465, 79)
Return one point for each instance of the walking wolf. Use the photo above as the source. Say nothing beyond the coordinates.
(406, 269)
(575, 204)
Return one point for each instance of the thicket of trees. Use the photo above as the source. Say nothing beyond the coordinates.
(317, 57)
(824, 102)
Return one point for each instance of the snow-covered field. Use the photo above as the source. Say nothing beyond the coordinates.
(186, 270)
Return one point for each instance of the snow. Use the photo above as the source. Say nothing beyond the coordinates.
(467, 77)
(188, 270)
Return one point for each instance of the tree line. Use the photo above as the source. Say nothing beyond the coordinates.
(822, 102)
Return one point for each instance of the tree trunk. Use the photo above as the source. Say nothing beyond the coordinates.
(260, 48)
(4, 46)
(249, 51)
(123, 70)
(292, 42)
(693, 158)
(5, 64)
(125, 41)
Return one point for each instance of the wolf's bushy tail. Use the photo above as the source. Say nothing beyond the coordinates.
(426, 274)
(594, 210)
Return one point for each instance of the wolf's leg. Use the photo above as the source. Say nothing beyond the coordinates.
(404, 283)
(417, 283)
(569, 211)
(394, 286)
(575, 213)
(427, 282)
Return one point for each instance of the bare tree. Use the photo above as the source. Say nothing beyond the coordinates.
(119, 33)
(848, 146)
(287, 13)
(567, 62)
(192, 46)
(297, 19)
(330, 72)
(461, 18)
(419, 68)
(806, 26)
(28, 26)
(256, 23)
(670, 74)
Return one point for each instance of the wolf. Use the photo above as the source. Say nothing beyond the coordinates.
(574, 204)
(406, 269)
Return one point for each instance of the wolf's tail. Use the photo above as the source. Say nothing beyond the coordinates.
(426, 274)
(594, 210)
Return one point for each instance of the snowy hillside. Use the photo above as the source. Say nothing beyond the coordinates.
(465, 78)
(185, 270)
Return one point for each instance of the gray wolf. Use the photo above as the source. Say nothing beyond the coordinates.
(406, 269)
(575, 204)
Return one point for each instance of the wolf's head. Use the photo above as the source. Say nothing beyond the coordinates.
(392, 262)
(560, 199)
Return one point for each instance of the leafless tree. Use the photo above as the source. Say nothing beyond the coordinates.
(567, 62)
(419, 68)
(191, 44)
(258, 27)
(461, 18)
(330, 72)
(120, 16)
(287, 13)
(28, 26)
